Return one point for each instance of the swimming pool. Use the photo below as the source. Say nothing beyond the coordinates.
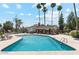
(38, 43)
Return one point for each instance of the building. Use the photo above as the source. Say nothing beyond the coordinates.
(42, 29)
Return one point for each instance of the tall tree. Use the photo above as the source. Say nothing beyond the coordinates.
(52, 6)
(8, 25)
(18, 23)
(61, 22)
(71, 21)
(59, 8)
(43, 4)
(39, 7)
(75, 16)
(44, 11)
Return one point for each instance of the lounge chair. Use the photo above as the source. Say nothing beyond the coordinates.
(5, 37)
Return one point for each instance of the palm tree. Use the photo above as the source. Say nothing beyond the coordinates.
(18, 23)
(39, 7)
(44, 10)
(43, 4)
(59, 9)
(75, 16)
(52, 6)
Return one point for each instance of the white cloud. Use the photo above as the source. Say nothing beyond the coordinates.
(18, 6)
(10, 12)
(21, 14)
(37, 16)
(29, 14)
(5, 5)
(68, 10)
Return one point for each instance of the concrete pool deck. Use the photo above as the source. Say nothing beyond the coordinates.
(8, 42)
(63, 38)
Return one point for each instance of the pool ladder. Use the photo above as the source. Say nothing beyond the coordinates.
(64, 40)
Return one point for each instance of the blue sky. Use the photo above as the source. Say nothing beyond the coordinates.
(29, 13)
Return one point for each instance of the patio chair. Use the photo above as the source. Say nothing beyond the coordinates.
(3, 38)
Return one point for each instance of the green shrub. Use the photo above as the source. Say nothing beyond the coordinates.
(1, 33)
(74, 33)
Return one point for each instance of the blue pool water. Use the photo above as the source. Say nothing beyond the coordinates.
(38, 43)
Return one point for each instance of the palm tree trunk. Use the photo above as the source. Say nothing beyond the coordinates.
(44, 19)
(75, 16)
(59, 13)
(52, 17)
(59, 17)
(39, 17)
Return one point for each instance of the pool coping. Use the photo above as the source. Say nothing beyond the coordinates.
(71, 42)
(6, 43)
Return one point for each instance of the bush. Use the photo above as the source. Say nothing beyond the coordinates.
(74, 33)
(1, 33)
